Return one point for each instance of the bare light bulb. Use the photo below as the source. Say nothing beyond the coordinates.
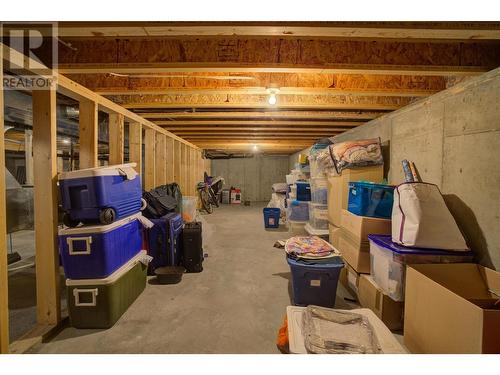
(255, 148)
(272, 99)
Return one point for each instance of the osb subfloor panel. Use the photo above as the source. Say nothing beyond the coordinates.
(236, 305)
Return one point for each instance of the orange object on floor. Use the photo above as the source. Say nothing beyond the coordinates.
(282, 341)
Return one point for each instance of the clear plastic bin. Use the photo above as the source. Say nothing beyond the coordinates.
(297, 227)
(388, 262)
(189, 208)
(319, 190)
(318, 215)
(297, 210)
(315, 169)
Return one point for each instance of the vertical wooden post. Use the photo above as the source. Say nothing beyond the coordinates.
(149, 159)
(192, 169)
(161, 159)
(4, 290)
(28, 155)
(183, 181)
(135, 146)
(170, 159)
(45, 205)
(116, 138)
(88, 134)
(177, 162)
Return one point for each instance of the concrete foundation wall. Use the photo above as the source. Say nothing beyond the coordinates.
(453, 138)
(254, 176)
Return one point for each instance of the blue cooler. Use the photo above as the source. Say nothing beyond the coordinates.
(271, 217)
(303, 191)
(95, 252)
(103, 194)
(373, 200)
(315, 283)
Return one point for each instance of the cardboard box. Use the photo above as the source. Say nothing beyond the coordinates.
(361, 226)
(354, 251)
(452, 308)
(349, 278)
(371, 296)
(338, 188)
(334, 234)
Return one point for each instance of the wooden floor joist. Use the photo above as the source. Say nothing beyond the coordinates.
(276, 114)
(349, 30)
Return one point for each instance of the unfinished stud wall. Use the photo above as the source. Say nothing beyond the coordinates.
(453, 138)
(254, 176)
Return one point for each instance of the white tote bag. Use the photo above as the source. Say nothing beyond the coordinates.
(420, 218)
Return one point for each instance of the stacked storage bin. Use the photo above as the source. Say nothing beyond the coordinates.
(318, 208)
(102, 259)
(299, 196)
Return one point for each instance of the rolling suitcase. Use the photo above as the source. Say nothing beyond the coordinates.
(174, 225)
(163, 241)
(157, 237)
(192, 251)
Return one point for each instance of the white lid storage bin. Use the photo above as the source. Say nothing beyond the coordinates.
(388, 262)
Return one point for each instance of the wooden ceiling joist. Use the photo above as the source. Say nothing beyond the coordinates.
(264, 91)
(351, 30)
(278, 114)
(178, 130)
(257, 84)
(261, 101)
(215, 124)
(275, 54)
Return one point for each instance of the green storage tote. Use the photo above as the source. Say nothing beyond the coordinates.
(99, 303)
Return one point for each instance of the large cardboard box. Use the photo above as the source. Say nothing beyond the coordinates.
(349, 278)
(338, 188)
(362, 226)
(452, 308)
(354, 251)
(371, 296)
(334, 234)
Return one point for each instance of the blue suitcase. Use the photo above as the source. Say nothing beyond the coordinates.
(164, 241)
(102, 194)
(96, 251)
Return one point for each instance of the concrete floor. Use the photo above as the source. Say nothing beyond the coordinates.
(236, 305)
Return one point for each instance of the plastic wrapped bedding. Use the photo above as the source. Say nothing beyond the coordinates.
(278, 201)
(359, 153)
(329, 331)
(280, 187)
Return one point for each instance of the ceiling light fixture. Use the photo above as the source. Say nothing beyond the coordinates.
(66, 141)
(272, 95)
(255, 148)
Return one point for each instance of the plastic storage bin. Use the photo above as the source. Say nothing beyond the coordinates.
(318, 215)
(373, 200)
(96, 251)
(297, 210)
(319, 190)
(315, 284)
(297, 227)
(189, 208)
(271, 217)
(316, 171)
(388, 262)
(303, 191)
(103, 194)
(99, 303)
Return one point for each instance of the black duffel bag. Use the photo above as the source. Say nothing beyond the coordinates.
(162, 200)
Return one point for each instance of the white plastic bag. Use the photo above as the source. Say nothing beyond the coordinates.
(420, 218)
